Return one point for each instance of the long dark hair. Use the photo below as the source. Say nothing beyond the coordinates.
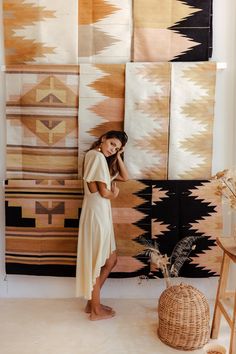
(112, 160)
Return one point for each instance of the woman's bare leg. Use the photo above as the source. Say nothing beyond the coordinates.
(98, 312)
(105, 271)
(107, 268)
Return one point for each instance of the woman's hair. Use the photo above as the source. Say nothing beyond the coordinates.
(112, 160)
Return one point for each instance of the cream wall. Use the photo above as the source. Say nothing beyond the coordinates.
(224, 146)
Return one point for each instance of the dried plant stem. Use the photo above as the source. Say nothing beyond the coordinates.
(228, 186)
(167, 280)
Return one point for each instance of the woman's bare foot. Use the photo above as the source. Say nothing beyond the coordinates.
(101, 314)
(88, 307)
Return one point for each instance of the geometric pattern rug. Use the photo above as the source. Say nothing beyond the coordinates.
(105, 31)
(190, 209)
(101, 103)
(147, 111)
(40, 31)
(42, 226)
(172, 30)
(191, 120)
(42, 121)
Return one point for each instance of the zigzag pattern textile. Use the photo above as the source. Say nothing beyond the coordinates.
(42, 220)
(42, 118)
(101, 31)
(40, 31)
(105, 31)
(101, 108)
(147, 119)
(172, 30)
(189, 209)
(42, 121)
(191, 120)
(169, 113)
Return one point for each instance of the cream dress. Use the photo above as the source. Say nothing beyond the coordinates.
(96, 234)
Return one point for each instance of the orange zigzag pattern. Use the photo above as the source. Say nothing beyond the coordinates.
(204, 76)
(106, 85)
(88, 16)
(111, 109)
(18, 49)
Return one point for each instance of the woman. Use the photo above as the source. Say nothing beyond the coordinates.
(96, 246)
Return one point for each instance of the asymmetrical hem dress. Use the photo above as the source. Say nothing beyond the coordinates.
(96, 239)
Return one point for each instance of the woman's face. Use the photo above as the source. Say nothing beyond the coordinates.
(110, 146)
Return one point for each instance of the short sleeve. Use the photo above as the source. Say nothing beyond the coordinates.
(96, 168)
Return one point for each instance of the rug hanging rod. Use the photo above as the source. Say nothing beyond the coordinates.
(219, 66)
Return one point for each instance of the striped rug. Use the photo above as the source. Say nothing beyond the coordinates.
(42, 226)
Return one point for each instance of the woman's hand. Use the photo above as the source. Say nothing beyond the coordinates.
(115, 190)
(120, 151)
(107, 193)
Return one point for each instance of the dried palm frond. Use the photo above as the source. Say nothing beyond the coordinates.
(181, 252)
(227, 188)
(169, 266)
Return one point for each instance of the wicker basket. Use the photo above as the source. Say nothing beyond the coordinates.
(183, 317)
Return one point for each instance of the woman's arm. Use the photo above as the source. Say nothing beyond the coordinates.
(123, 173)
(106, 193)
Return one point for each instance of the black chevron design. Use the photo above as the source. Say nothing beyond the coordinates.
(199, 52)
(197, 27)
